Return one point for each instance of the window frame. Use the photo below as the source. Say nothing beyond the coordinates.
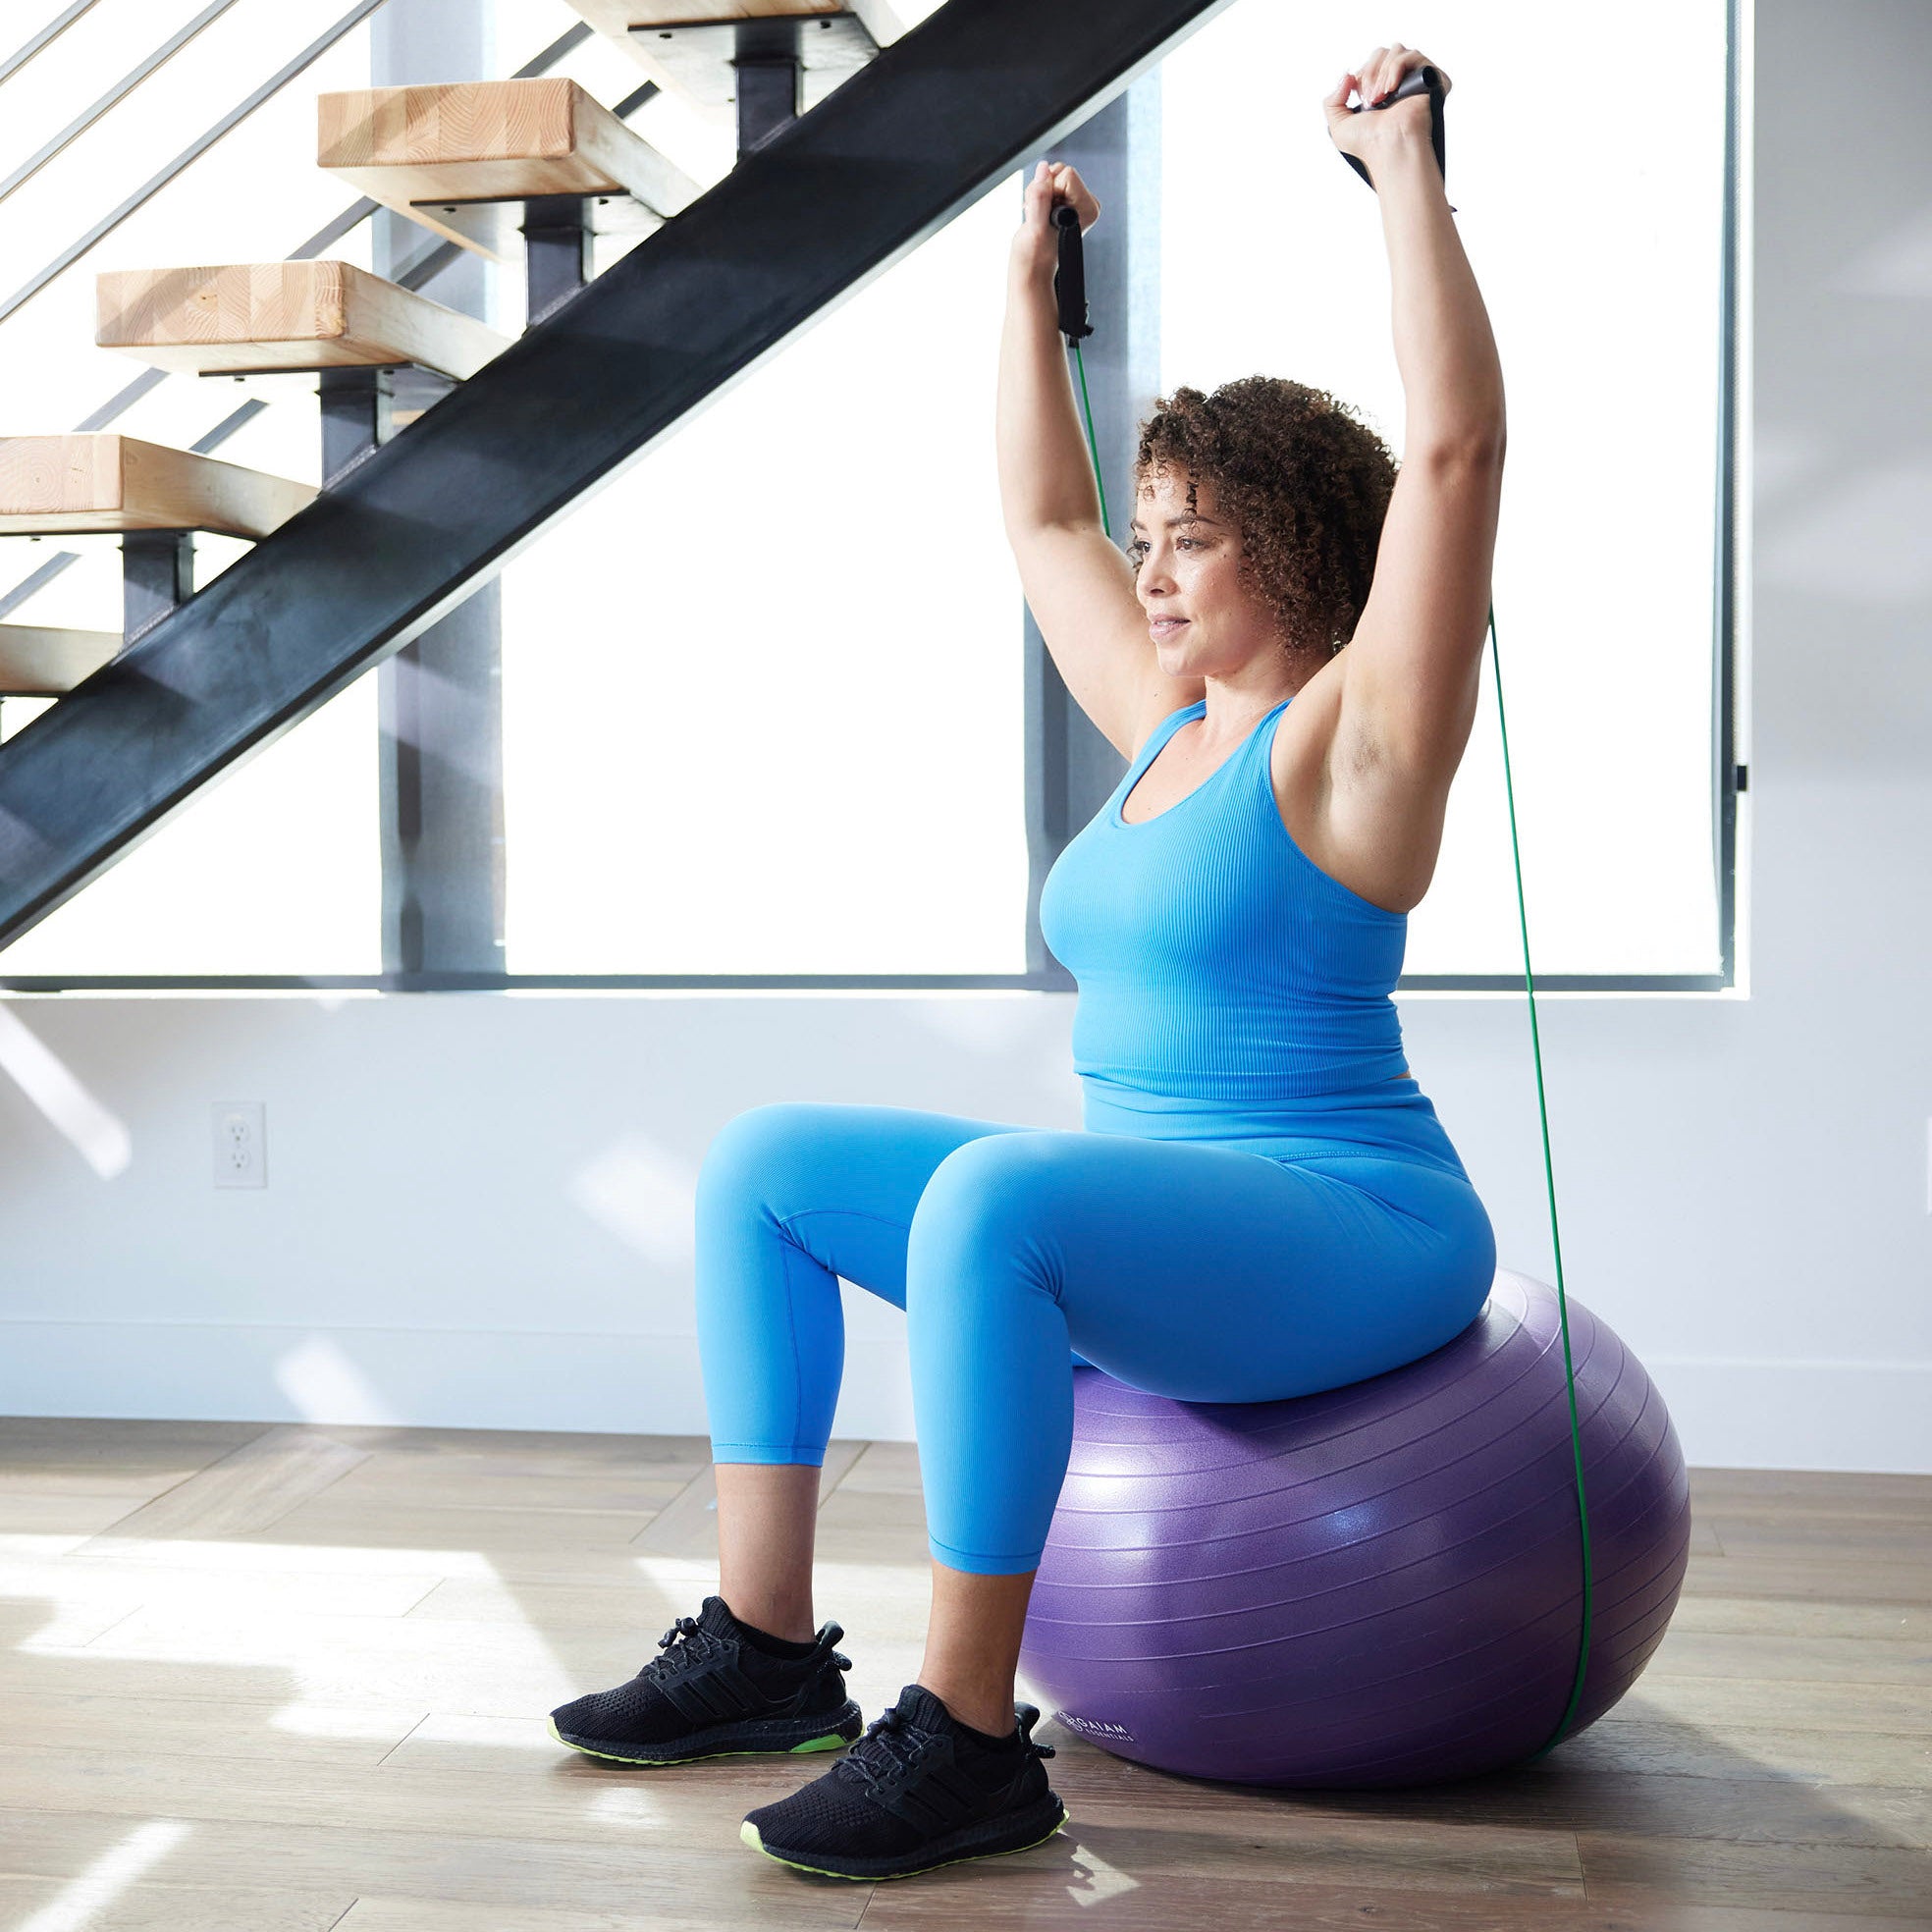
(1069, 769)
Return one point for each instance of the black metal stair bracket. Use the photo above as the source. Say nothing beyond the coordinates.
(157, 575)
(769, 83)
(356, 404)
(774, 65)
(886, 161)
(556, 243)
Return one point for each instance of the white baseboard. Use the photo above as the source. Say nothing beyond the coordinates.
(1752, 1413)
(1736, 1413)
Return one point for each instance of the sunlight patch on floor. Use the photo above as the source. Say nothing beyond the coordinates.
(1103, 1880)
(107, 1876)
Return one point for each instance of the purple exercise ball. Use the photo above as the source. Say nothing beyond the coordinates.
(1378, 1584)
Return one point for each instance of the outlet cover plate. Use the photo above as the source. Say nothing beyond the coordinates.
(240, 1129)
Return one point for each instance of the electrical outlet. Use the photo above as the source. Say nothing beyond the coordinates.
(240, 1143)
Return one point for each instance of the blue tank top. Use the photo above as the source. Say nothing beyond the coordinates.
(1230, 989)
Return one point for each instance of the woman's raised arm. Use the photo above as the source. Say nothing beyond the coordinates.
(1045, 477)
(1412, 668)
(1452, 380)
(1077, 583)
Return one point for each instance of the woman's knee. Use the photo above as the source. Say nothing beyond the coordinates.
(994, 1196)
(763, 1151)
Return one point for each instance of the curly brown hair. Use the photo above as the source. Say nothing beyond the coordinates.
(1301, 476)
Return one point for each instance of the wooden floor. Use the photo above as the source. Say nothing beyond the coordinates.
(284, 1679)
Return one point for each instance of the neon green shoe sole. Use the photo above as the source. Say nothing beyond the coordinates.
(868, 1871)
(764, 1738)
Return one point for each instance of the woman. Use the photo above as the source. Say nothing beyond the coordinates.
(1262, 1202)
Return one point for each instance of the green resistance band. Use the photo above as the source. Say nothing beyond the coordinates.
(1071, 289)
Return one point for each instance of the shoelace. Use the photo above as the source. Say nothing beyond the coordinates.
(893, 1747)
(696, 1642)
(889, 1752)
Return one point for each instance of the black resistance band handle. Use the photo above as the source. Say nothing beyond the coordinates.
(1423, 81)
(1070, 277)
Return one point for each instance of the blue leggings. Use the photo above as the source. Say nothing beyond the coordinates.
(1198, 1271)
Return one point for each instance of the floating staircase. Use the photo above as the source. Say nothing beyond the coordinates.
(914, 127)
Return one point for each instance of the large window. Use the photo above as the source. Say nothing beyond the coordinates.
(763, 693)
(1590, 200)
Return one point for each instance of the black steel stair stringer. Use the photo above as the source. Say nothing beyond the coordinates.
(807, 219)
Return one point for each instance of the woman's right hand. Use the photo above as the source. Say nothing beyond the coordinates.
(1037, 244)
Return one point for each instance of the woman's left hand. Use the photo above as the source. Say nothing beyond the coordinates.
(1379, 76)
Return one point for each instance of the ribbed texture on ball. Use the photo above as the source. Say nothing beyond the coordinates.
(1379, 1584)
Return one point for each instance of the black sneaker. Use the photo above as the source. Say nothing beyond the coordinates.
(716, 1691)
(919, 1790)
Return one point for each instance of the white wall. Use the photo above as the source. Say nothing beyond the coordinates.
(479, 1207)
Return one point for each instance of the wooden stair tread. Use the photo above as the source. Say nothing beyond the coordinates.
(615, 19)
(683, 13)
(283, 316)
(413, 148)
(109, 482)
(37, 661)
